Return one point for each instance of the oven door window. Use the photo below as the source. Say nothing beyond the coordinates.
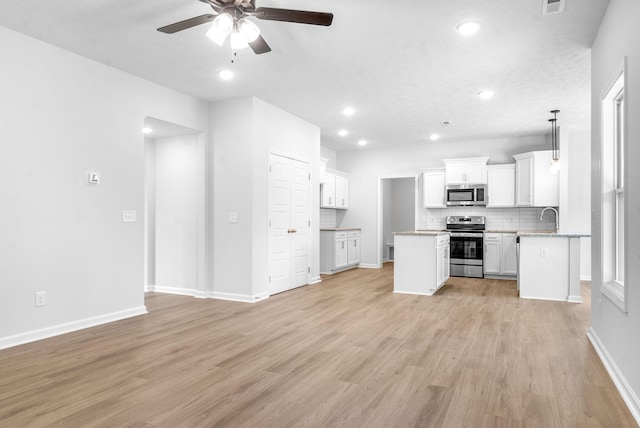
(460, 195)
(466, 248)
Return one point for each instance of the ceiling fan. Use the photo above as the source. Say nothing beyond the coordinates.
(229, 18)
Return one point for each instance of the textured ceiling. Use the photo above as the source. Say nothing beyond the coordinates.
(400, 63)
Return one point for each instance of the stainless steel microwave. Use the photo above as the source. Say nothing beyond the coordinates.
(466, 194)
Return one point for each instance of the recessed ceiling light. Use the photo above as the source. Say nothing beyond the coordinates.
(343, 132)
(468, 28)
(485, 95)
(147, 130)
(348, 111)
(434, 137)
(362, 142)
(225, 74)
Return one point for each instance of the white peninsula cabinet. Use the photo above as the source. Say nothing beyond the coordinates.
(536, 184)
(421, 262)
(501, 186)
(500, 255)
(339, 250)
(466, 170)
(433, 189)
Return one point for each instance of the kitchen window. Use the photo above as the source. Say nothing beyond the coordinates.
(613, 195)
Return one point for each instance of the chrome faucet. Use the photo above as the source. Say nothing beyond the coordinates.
(557, 216)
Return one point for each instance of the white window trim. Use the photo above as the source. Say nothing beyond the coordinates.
(613, 289)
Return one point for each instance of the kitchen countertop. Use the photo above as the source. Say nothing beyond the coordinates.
(338, 229)
(543, 234)
(422, 232)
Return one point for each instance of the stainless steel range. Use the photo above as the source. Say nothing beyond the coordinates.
(466, 245)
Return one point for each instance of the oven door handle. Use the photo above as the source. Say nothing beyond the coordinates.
(466, 235)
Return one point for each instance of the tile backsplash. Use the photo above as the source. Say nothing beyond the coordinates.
(512, 219)
(328, 218)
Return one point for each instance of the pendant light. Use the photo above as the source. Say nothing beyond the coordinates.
(555, 149)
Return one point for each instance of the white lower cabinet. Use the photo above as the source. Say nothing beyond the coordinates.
(442, 260)
(500, 254)
(421, 262)
(339, 250)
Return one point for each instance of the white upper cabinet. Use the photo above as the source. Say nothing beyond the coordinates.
(501, 183)
(466, 170)
(342, 192)
(433, 189)
(536, 184)
(328, 193)
(334, 190)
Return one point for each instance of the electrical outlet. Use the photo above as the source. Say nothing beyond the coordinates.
(129, 216)
(544, 253)
(41, 298)
(233, 217)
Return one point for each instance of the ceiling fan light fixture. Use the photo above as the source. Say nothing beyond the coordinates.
(238, 40)
(248, 29)
(220, 28)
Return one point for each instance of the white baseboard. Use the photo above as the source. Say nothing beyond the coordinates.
(238, 297)
(315, 280)
(246, 298)
(368, 266)
(585, 277)
(628, 394)
(56, 330)
(413, 293)
(175, 290)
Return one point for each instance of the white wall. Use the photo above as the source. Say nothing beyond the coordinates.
(403, 203)
(366, 166)
(330, 155)
(617, 331)
(243, 132)
(58, 234)
(387, 215)
(175, 183)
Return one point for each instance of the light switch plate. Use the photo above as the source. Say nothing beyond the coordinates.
(233, 217)
(93, 178)
(544, 253)
(129, 216)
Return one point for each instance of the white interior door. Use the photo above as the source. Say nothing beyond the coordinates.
(289, 223)
(300, 219)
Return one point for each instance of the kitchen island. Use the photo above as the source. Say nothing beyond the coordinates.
(421, 261)
(549, 266)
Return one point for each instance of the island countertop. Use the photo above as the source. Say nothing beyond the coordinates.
(338, 229)
(422, 233)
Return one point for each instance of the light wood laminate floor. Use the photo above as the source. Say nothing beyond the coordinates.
(345, 352)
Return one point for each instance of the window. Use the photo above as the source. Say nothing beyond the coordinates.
(613, 178)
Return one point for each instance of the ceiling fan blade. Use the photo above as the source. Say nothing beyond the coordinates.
(299, 16)
(187, 23)
(260, 46)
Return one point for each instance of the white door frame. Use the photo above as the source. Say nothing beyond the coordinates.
(201, 215)
(379, 243)
(269, 238)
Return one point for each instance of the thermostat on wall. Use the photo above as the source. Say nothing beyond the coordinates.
(93, 178)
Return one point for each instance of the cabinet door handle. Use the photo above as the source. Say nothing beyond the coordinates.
(355, 243)
(343, 245)
(343, 202)
(329, 200)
